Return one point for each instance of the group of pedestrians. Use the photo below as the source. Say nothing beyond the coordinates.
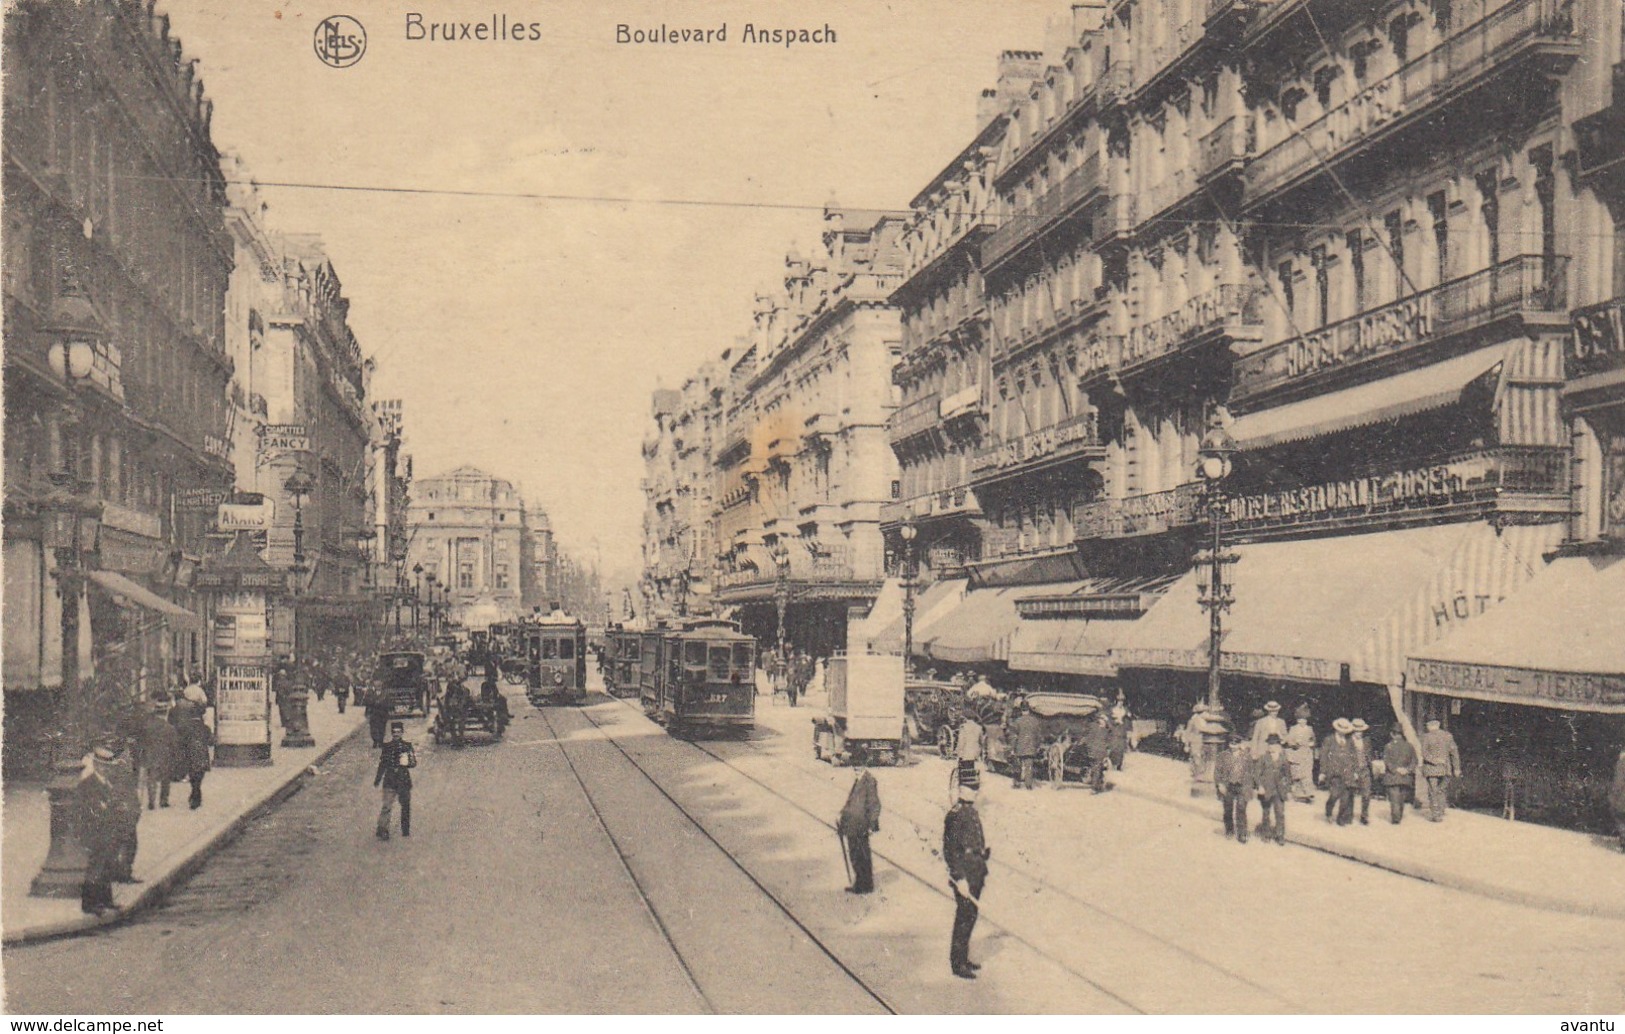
(170, 742)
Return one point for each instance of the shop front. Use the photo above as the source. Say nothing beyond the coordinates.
(1535, 695)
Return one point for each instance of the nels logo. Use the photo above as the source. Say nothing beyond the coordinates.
(340, 41)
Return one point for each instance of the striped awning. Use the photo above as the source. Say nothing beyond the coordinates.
(930, 606)
(1559, 644)
(982, 627)
(1306, 609)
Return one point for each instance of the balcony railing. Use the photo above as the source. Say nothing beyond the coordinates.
(1079, 433)
(1225, 148)
(1054, 204)
(1225, 306)
(1150, 63)
(1528, 283)
(1148, 514)
(1116, 219)
(916, 417)
(929, 242)
(1432, 77)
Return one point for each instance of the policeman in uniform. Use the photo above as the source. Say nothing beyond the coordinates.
(966, 853)
(395, 764)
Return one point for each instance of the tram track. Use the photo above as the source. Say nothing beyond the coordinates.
(1023, 873)
(643, 892)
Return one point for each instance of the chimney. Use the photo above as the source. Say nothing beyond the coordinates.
(988, 108)
(1087, 16)
(1017, 70)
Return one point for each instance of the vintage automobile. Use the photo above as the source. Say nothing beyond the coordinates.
(461, 712)
(1065, 717)
(402, 678)
(867, 714)
(935, 710)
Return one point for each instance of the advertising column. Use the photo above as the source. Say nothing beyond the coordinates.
(243, 584)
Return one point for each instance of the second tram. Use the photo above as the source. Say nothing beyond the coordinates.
(698, 676)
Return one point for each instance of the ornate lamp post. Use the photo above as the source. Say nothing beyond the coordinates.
(781, 591)
(296, 729)
(910, 575)
(299, 485)
(434, 609)
(1215, 590)
(417, 594)
(69, 529)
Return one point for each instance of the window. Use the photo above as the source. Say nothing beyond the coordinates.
(431, 515)
(502, 576)
(1323, 285)
(1545, 196)
(1440, 213)
(465, 575)
(550, 649)
(1393, 225)
(1356, 245)
(693, 655)
(567, 649)
(719, 664)
(1441, 16)
(743, 661)
(1399, 35)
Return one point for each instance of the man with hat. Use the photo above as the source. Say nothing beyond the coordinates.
(1271, 724)
(1028, 733)
(1337, 772)
(1398, 773)
(966, 852)
(1300, 754)
(860, 816)
(395, 763)
(1272, 774)
(95, 800)
(1441, 762)
(1191, 736)
(1233, 784)
(1362, 768)
(158, 753)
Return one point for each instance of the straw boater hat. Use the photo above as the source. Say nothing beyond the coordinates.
(1272, 707)
(1360, 726)
(1343, 725)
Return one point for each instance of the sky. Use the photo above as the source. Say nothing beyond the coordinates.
(526, 334)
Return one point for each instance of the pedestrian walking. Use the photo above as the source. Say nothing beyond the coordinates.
(1234, 786)
(860, 816)
(1098, 744)
(1300, 754)
(1441, 762)
(317, 678)
(1616, 796)
(1190, 736)
(98, 826)
(1337, 772)
(968, 747)
(196, 739)
(966, 852)
(341, 687)
(158, 754)
(1398, 773)
(281, 688)
(1028, 731)
(378, 712)
(1362, 769)
(1271, 724)
(124, 782)
(394, 780)
(1121, 719)
(1272, 775)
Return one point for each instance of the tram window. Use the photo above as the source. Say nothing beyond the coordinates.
(719, 663)
(742, 657)
(631, 650)
(567, 649)
(694, 655)
(550, 649)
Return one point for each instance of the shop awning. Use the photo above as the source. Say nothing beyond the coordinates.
(930, 606)
(118, 585)
(1304, 609)
(1415, 391)
(1560, 644)
(1082, 645)
(888, 608)
(981, 628)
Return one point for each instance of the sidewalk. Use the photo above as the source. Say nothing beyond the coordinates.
(1520, 862)
(173, 840)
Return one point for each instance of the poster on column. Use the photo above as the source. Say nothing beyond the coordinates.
(243, 691)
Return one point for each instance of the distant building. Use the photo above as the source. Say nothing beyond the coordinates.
(466, 532)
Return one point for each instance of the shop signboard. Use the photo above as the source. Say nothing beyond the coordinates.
(1571, 690)
(280, 438)
(235, 517)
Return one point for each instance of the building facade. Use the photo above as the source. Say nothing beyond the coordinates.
(467, 535)
(115, 238)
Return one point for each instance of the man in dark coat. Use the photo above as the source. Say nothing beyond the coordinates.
(341, 685)
(378, 711)
(1337, 763)
(1441, 762)
(94, 800)
(1362, 768)
(124, 782)
(1398, 773)
(1028, 733)
(859, 817)
(966, 852)
(158, 753)
(1272, 774)
(1233, 785)
(394, 776)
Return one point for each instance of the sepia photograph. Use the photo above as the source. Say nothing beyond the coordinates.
(813, 508)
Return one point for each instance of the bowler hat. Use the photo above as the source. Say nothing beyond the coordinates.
(1360, 726)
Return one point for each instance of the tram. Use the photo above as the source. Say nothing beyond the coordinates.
(622, 648)
(555, 659)
(700, 675)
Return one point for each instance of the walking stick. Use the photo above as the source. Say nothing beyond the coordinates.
(845, 860)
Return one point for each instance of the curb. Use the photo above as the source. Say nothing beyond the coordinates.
(1416, 870)
(156, 891)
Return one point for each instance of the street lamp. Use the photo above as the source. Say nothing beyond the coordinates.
(1215, 592)
(417, 594)
(299, 485)
(434, 617)
(781, 589)
(69, 529)
(910, 573)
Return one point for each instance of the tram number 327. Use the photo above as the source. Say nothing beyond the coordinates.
(717, 698)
